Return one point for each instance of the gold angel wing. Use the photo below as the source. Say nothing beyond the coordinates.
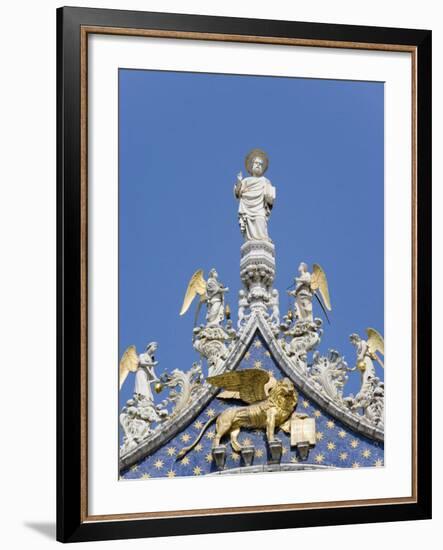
(229, 394)
(319, 281)
(197, 285)
(128, 363)
(375, 341)
(249, 383)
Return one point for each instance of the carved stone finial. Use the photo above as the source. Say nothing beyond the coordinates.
(275, 449)
(219, 456)
(247, 454)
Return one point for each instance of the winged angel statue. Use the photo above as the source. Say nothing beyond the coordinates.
(371, 395)
(367, 352)
(308, 285)
(211, 292)
(270, 404)
(143, 366)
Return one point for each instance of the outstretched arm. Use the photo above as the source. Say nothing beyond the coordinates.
(238, 185)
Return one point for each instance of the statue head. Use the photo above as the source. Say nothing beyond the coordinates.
(151, 347)
(354, 338)
(256, 162)
(303, 267)
(213, 273)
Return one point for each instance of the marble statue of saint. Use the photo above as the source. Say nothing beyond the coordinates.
(256, 197)
(303, 294)
(306, 286)
(215, 292)
(275, 308)
(145, 374)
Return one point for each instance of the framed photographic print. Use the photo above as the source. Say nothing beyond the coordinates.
(244, 274)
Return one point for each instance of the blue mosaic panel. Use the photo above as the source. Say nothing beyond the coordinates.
(337, 445)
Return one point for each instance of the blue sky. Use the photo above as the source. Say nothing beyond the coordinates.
(182, 140)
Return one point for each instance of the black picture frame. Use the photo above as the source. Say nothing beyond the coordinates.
(73, 524)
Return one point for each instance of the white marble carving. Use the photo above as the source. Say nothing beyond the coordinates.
(369, 401)
(215, 300)
(243, 309)
(330, 374)
(145, 374)
(188, 383)
(274, 317)
(137, 418)
(303, 295)
(211, 343)
(256, 197)
(304, 337)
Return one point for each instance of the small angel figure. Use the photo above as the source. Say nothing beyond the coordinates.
(366, 354)
(275, 309)
(306, 286)
(243, 304)
(211, 292)
(143, 366)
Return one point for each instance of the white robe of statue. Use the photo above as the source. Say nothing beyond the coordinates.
(145, 375)
(256, 196)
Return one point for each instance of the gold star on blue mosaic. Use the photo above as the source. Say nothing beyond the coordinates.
(319, 458)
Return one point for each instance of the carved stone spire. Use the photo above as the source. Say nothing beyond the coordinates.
(257, 272)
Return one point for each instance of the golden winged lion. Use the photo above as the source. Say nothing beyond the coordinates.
(270, 405)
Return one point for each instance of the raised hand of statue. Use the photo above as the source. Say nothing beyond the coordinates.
(238, 185)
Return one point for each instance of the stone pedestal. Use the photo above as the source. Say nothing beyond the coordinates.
(257, 271)
(219, 456)
(247, 454)
(275, 448)
(303, 450)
